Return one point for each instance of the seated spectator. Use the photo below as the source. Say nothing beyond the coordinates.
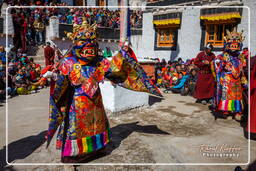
(175, 76)
(180, 61)
(167, 77)
(2, 86)
(21, 82)
(158, 75)
(11, 73)
(183, 69)
(12, 55)
(190, 84)
(2, 55)
(24, 60)
(179, 85)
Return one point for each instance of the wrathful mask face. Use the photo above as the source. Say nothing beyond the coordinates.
(84, 38)
(233, 41)
(89, 52)
(234, 44)
(86, 50)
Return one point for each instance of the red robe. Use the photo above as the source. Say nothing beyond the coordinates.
(49, 55)
(23, 36)
(205, 85)
(252, 129)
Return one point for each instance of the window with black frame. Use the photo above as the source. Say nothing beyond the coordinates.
(215, 22)
(215, 33)
(165, 37)
(166, 30)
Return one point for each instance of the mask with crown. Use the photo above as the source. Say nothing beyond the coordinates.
(84, 39)
(233, 41)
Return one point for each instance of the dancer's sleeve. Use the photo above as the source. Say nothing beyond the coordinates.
(236, 70)
(216, 67)
(58, 100)
(127, 73)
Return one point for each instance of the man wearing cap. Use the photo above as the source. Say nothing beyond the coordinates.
(204, 90)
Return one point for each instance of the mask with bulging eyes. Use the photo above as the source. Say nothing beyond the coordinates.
(86, 50)
(84, 37)
(233, 41)
(89, 52)
(234, 44)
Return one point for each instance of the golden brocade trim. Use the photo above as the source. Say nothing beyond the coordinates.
(175, 21)
(223, 16)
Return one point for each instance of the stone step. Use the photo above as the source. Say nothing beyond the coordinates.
(39, 61)
(36, 58)
(42, 63)
(35, 51)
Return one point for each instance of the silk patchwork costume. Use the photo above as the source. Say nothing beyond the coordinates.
(76, 106)
(228, 72)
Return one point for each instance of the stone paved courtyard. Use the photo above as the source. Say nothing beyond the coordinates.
(169, 131)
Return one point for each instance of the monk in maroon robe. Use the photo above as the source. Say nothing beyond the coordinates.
(49, 54)
(205, 85)
(252, 121)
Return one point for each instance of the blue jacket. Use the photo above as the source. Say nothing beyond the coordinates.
(3, 57)
(181, 82)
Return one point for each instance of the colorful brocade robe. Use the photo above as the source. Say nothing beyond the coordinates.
(76, 107)
(228, 74)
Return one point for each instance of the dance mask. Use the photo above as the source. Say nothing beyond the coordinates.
(84, 39)
(233, 41)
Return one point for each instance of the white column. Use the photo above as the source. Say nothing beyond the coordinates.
(8, 23)
(123, 20)
(53, 31)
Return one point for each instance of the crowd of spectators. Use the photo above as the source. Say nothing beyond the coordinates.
(176, 76)
(103, 17)
(23, 73)
(30, 23)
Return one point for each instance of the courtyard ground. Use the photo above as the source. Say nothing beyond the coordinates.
(171, 130)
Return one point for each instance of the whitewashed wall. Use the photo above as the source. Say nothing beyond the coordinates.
(147, 41)
(244, 25)
(136, 42)
(91, 2)
(189, 35)
(116, 99)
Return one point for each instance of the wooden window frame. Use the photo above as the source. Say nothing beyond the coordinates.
(215, 42)
(166, 43)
